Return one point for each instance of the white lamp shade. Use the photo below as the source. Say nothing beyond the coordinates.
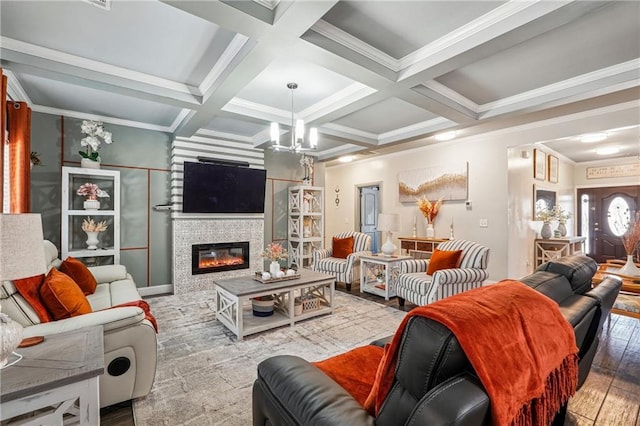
(313, 137)
(21, 246)
(275, 133)
(388, 222)
(299, 132)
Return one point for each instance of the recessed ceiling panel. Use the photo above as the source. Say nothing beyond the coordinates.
(236, 127)
(145, 36)
(314, 84)
(627, 140)
(390, 114)
(57, 94)
(568, 51)
(398, 28)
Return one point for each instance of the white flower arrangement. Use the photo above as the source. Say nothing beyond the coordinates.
(89, 225)
(95, 136)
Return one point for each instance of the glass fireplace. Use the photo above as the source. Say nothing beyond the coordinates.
(218, 257)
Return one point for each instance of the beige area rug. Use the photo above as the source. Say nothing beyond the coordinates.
(205, 374)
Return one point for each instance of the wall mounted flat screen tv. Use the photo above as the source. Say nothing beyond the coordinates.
(214, 188)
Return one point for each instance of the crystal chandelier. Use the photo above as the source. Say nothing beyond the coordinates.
(297, 132)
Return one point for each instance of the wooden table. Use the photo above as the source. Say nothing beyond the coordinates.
(628, 301)
(57, 377)
(420, 248)
(391, 266)
(233, 301)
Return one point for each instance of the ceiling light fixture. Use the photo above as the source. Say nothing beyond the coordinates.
(608, 150)
(446, 136)
(593, 137)
(297, 132)
(345, 159)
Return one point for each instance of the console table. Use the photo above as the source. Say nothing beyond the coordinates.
(233, 301)
(553, 248)
(61, 373)
(419, 247)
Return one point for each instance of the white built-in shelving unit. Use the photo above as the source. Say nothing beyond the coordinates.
(305, 223)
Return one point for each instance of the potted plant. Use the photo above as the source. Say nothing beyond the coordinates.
(630, 240)
(379, 275)
(95, 135)
(91, 191)
(274, 252)
(92, 230)
(429, 211)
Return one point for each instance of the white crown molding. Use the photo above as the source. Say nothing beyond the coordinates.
(262, 137)
(338, 151)
(112, 120)
(184, 112)
(213, 138)
(349, 132)
(95, 66)
(414, 130)
(15, 89)
(352, 93)
(256, 110)
(451, 94)
(222, 135)
(345, 39)
(269, 4)
(229, 54)
(626, 70)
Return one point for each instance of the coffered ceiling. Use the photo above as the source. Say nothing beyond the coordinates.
(372, 75)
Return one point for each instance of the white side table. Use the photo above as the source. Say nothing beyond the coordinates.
(391, 266)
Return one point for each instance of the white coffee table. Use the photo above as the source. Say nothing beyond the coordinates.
(233, 301)
(391, 266)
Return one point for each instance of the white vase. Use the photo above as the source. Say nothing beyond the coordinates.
(430, 232)
(562, 228)
(629, 268)
(91, 204)
(274, 268)
(92, 240)
(85, 163)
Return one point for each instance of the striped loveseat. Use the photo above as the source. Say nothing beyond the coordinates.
(346, 270)
(417, 287)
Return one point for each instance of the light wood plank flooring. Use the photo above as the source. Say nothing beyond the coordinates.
(610, 395)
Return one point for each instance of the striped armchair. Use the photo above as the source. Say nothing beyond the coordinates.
(346, 270)
(417, 287)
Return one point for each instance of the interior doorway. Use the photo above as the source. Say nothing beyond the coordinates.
(369, 208)
(603, 216)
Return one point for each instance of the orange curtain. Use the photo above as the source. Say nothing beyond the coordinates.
(19, 117)
(3, 126)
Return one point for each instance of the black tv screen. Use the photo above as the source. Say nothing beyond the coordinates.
(214, 188)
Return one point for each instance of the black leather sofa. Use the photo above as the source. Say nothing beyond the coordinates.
(429, 388)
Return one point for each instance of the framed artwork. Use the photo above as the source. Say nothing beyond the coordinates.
(539, 165)
(543, 199)
(552, 166)
(448, 181)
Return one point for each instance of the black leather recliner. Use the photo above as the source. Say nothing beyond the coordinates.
(429, 388)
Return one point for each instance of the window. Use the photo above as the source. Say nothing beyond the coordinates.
(584, 220)
(618, 216)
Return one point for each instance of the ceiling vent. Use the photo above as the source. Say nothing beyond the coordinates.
(102, 4)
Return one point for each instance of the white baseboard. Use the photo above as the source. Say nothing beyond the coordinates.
(156, 290)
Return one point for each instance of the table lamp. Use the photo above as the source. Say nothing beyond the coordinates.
(388, 223)
(21, 256)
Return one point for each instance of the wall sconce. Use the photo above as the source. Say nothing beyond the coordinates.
(337, 200)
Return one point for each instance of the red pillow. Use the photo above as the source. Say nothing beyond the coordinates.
(342, 247)
(442, 259)
(29, 288)
(80, 274)
(62, 296)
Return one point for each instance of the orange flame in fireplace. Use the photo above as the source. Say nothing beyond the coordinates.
(225, 261)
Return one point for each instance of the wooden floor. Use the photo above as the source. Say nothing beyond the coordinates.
(610, 395)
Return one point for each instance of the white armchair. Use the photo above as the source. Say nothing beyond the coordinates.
(419, 288)
(345, 270)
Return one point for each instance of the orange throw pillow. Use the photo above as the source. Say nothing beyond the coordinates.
(342, 247)
(80, 274)
(62, 296)
(29, 288)
(442, 259)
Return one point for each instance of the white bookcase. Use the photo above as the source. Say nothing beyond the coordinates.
(73, 213)
(305, 223)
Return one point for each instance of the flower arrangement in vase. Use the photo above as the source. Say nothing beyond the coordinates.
(429, 211)
(630, 240)
(95, 135)
(275, 253)
(546, 216)
(562, 216)
(91, 191)
(307, 163)
(92, 230)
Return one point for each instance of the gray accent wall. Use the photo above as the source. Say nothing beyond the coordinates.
(142, 157)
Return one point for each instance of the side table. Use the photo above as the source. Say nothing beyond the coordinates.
(52, 376)
(391, 265)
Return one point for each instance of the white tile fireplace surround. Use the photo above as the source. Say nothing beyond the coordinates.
(187, 232)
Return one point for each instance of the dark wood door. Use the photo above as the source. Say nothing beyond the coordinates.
(602, 215)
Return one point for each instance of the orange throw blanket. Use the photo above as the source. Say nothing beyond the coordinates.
(145, 307)
(521, 347)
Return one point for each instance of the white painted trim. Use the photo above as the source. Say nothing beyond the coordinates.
(201, 140)
(345, 39)
(262, 137)
(269, 4)
(417, 129)
(15, 89)
(184, 112)
(156, 290)
(95, 66)
(344, 131)
(256, 110)
(451, 94)
(229, 54)
(215, 134)
(112, 120)
(352, 93)
(216, 216)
